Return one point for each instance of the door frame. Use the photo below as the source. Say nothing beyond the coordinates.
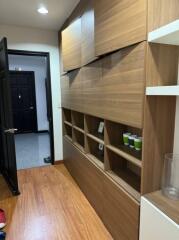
(49, 91)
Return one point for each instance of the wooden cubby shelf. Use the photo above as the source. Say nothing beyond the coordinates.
(79, 129)
(125, 155)
(68, 132)
(68, 123)
(78, 120)
(124, 173)
(67, 115)
(95, 138)
(114, 141)
(92, 128)
(78, 139)
(94, 153)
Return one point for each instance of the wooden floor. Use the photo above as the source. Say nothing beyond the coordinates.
(51, 206)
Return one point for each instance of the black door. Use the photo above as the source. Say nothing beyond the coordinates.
(23, 101)
(8, 158)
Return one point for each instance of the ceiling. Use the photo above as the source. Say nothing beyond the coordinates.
(24, 13)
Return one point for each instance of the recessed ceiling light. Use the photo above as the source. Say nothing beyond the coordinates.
(43, 10)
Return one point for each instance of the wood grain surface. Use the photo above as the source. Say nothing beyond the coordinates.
(119, 24)
(162, 12)
(51, 206)
(168, 206)
(71, 46)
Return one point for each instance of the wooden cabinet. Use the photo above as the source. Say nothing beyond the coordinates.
(113, 87)
(110, 88)
(119, 24)
(71, 46)
(118, 210)
(87, 29)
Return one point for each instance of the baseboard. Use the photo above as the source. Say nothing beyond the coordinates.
(58, 162)
(43, 131)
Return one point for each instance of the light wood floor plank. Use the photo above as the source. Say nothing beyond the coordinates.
(51, 206)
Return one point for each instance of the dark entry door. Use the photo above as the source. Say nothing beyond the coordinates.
(23, 101)
(8, 158)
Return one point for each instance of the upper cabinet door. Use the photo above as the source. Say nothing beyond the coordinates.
(162, 12)
(71, 46)
(119, 23)
(88, 45)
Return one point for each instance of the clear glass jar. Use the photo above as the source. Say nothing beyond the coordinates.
(170, 179)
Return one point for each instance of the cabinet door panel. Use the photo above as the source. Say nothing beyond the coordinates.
(71, 46)
(121, 213)
(118, 210)
(119, 23)
(162, 12)
(76, 91)
(65, 91)
(87, 26)
(113, 87)
(88, 177)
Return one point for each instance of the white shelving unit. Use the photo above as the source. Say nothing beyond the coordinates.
(163, 91)
(167, 34)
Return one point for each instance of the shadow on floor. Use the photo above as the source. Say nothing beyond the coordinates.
(4, 189)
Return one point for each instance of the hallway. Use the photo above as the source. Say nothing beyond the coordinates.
(51, 206)
(31, 149)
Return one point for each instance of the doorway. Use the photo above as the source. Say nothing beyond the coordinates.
(23, 95)
(30, 85)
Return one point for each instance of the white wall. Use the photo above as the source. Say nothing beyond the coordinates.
(38, 66)
(33, 39)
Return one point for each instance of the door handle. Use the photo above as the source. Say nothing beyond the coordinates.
(31, 108)
(11, 130)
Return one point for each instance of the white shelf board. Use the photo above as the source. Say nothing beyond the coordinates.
(167, 34)
(163, 91)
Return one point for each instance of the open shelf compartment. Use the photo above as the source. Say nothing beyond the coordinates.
(67, 116)
(114, 141)
(67, 131)
(94, 152)
(78, 120)
(78, 139)
(126, 174)
(95, 127)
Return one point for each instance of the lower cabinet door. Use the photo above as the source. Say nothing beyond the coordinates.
(121, 212)
(117, 209)
(88, 176)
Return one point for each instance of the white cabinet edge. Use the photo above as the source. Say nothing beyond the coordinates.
(163, 91)
(167, 34)
(159, 211)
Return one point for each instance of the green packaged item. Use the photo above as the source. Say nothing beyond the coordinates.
(138, 143)
(126, 138)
